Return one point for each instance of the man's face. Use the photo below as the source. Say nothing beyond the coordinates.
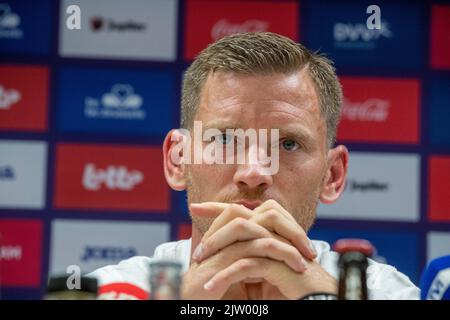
(276, 101)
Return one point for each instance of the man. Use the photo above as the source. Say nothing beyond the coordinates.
(250, 226)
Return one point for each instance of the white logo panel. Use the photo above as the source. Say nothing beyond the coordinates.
(23, 168)
(115, 29)
(380, 186)
(91, 244)
(438, 244)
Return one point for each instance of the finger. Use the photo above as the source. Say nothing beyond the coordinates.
(266, 248)
(231, 212)
(274, 272)
(272, 204)
(244, 269)
(276, 222)
(238, 230)
(208, 209)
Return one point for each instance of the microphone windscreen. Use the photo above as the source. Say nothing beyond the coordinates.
(435, 281)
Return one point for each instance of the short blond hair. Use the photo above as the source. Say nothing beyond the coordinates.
(262, 53)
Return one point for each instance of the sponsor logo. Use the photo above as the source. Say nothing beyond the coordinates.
(138, 30)
(223, 27)
(77, 242)
(110, 177)
(113, 177)
(380, 186)
(120, 103)
(11, 252)
(22, 174)
(373, 109)
(380, 41)
(9, 23)
(103, 24)
(8, 97)
(23, 97)
(357, 186)
(107, 253)
(357, 35)
(7, 173)
(208, 21)
(20, 252)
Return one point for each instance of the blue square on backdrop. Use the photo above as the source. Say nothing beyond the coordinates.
(25, 27)
(399, 249)
(116, 101)
(440, 111)
(339, 30)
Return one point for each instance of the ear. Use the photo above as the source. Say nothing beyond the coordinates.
(336, 176)
(174, 168)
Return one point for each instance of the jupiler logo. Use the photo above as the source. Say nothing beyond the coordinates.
(103, 24)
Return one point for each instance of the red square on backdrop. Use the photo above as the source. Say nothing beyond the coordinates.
(23, 98)
(381, 110)
(440, 37)
(184, 231)
(21, 252)
(109, 177)
(208, 21)
(439, 188)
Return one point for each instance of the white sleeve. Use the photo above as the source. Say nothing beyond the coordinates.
(386, 283)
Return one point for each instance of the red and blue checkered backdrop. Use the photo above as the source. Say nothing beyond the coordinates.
(83, 114)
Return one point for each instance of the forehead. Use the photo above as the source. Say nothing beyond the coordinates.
(260, 100)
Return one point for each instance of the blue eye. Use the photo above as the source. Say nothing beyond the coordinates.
(224, 138)
(290, 145)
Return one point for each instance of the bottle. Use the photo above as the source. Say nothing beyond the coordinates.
(353, 265)
(165, 280)
(58, 288)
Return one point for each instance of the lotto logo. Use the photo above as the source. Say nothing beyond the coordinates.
(110, 177)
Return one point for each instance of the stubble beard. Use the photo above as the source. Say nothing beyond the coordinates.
(303, 212)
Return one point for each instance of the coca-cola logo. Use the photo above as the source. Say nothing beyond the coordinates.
(223, 27)
(373, 109)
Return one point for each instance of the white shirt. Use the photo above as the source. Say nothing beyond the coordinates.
(384, 281)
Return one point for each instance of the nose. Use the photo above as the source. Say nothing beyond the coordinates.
(252, 174)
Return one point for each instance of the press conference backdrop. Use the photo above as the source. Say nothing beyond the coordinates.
(83, 114)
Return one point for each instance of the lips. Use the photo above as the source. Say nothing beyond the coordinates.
(250, 204)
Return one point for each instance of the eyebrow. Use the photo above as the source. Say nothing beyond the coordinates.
(298, 132)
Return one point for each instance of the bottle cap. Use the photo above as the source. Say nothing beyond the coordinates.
(359, 245)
